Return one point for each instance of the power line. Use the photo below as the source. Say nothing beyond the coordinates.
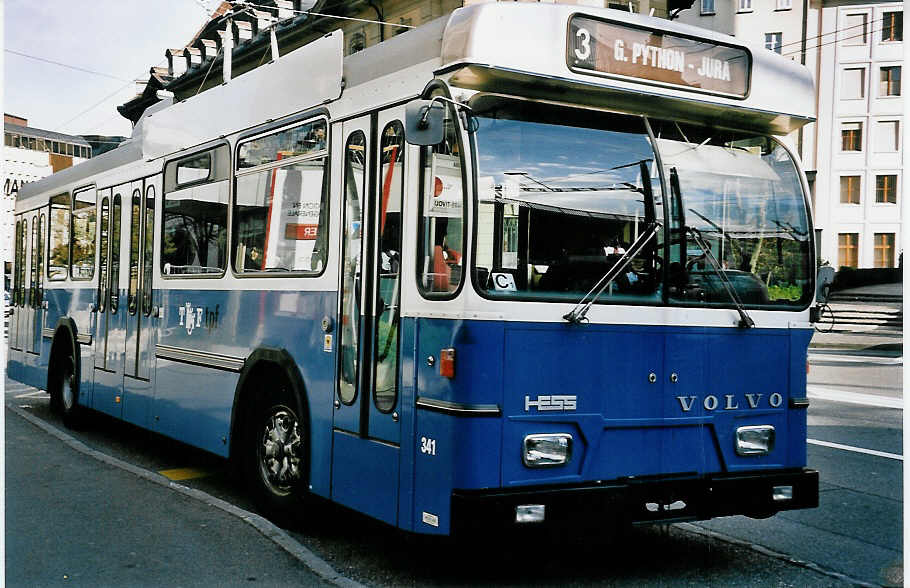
(366, 20)
(66, 65)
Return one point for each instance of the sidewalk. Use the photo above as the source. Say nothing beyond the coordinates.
(885, 340)
(73, 520)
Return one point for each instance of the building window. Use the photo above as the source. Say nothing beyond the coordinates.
(849, 189)
(851, 134)
(890, 81)
(884, 249)
(886, 189)
(773, 42)
(854, 29)
(853, 83)
(707, 6)
(847, 249)
(784, 4)
(744, 6)
(358, 43)
(893, 26)
(887, 136)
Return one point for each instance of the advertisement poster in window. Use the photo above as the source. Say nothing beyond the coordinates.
(443, 197)
(293, 220)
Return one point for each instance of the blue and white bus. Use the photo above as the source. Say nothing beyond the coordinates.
(528, 264)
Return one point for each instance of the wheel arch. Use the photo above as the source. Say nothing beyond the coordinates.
(265, 362)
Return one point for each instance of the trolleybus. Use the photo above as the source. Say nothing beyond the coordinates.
(527, 264)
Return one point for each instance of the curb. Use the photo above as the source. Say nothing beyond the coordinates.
(268, 529)
(697, 530)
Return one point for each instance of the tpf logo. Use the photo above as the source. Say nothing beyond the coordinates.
(190, 317)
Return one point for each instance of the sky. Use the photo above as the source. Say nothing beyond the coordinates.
(121, 39)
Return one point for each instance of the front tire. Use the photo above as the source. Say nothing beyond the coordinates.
(275, 455)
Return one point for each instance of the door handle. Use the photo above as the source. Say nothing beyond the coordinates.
(44, 304)
(156, 311)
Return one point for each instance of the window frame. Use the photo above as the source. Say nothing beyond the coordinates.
(854, 247)
(209, 147)
(894, 139)
(778, 47)
(94, 207)
(441, 89)
(236, 173)
(890, 29)
(885, 192)
(864, 75)
(859, 189)
(887, 248)
(850, 36)
(68, 207)
(890, 69)
(860, 139)
(743, 6)
(707, 7)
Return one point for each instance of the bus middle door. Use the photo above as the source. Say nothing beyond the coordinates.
(367, 428)
(138, 393)
(109, 331)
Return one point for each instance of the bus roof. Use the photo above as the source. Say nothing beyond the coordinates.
(625, 62)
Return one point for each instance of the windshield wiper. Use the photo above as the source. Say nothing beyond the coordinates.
(577, 314)
(745, 321)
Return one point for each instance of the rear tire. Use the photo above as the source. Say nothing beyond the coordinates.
(275, 455)
(64, 391)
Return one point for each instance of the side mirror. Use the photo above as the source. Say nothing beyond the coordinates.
(423, 123)
(823, 283)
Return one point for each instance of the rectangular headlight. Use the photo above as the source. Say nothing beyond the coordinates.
(546, 450)
(754, 440)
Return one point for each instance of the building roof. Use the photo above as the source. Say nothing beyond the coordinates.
(41, 133)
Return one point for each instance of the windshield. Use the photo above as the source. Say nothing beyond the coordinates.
(564, 195)
(561, 195)
(742, 195)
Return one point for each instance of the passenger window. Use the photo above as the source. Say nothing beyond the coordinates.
(194, 221)
(23, 301)
(148, 253)
(115, 255)
(281, 203)
(388, 289)
(194, 170)
(103, 256)
(42, 224)
(351, 227)
(135, 227)
(439, 262)
(18, 258)
(83, 266)
(60, 238)
(33, 270)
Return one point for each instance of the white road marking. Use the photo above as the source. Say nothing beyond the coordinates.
(854, 397)
(870, 359)
(855, 449)
(31, 394)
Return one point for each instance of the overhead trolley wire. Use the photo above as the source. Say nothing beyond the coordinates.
(66, 65)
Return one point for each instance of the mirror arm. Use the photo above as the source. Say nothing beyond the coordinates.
(423, 124)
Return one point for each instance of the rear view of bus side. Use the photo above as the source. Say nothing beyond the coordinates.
(552, 273)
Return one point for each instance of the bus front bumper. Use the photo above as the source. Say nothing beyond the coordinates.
(637, 500)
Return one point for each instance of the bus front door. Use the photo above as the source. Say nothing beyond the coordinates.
(138, 393)
(109, 330)
(367, 427)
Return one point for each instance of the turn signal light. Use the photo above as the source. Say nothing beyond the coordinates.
(447, 362)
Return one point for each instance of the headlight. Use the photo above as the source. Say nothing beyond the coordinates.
(546, 450)
(754, 440)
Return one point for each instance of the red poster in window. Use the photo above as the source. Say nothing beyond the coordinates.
(300, 232)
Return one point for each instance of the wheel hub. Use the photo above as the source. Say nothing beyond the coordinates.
(280, 451)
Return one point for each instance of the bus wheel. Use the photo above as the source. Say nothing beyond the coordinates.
(64, 391)
(275, 455)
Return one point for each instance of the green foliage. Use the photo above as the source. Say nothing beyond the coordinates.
(785, 292)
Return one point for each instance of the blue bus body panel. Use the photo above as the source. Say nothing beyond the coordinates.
(194, 404)
(707, 382)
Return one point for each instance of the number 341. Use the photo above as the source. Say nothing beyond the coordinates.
(428, 446)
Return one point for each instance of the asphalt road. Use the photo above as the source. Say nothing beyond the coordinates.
(855, 532)
(856, 444)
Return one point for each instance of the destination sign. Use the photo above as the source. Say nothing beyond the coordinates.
(605, 48)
